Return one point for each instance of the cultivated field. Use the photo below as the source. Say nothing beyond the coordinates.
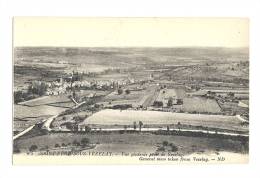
(200, 105)
(133, 95)
(21, 111)
(87, 93)
(56, 101)
(127, 117)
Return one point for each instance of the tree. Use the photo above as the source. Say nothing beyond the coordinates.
(179, 126)
(119, 91)
(231, 94)
(170, 102)
(38, 88)
(158, 103)
(125, 127)
(84, 141)
(161, 148)
(134, 125)
(87, 129)
(165, 143)
(174, 148)
(179, 101)
(127, 91)
(140, 125)
(16, 149)
(33, 148)
(207, 129)
(75, 96)
(75, 142)
(18, 96)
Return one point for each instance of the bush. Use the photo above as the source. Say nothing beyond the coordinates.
(85, 141)
(158, 103)
(121, 131)
(75, 142)
(161, 148)
(57, 145)
(174, 148)
(18, 96)
(119, 91)
(87, 129)
(127, 92)
(16, 149)
(170, 102)
(165, 143)
(33, 148)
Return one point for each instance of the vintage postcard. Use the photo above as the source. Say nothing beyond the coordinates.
(130, 90)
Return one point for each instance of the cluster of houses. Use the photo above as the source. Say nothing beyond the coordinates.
(61, 86)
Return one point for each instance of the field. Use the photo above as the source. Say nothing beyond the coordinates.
(150, 96)
(22, 124)
(233, 108)
(143, 142)
(115, 99)
(200, 105)
(114, 96)
(32, 71)
(90, 93)
(23, 112)
(34, 111)
(127, 117)
(144, 97)
(56, 101)
(107, 77)
(166, 94)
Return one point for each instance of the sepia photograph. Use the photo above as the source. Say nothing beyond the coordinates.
(96, 90)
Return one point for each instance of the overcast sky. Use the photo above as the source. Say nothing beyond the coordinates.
(131, 32)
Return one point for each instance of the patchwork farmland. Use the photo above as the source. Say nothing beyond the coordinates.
(131, 99)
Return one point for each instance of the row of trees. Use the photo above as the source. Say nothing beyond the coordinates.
(34, 90)
(38, 88)
(83, 142)
(120, 91)
(140, 123)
